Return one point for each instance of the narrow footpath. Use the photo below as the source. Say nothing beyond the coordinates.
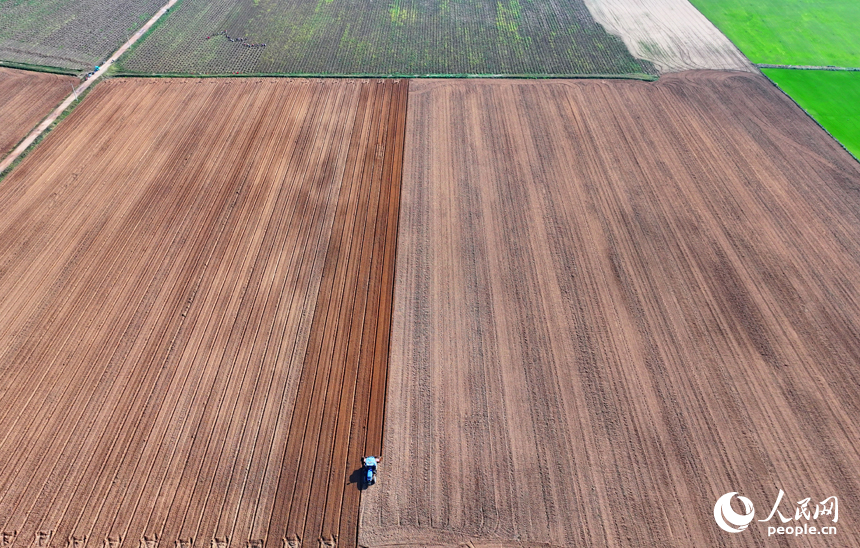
(46, 123)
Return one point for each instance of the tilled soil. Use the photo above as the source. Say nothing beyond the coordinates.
(615, 302)
(25, 98)
(195, 295)
(672, 34)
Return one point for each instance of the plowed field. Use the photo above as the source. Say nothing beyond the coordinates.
(25, 98)
(672, 34)
(616, 302)
(195, 295)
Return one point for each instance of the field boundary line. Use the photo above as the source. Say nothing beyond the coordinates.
(39, 68)
(46, 123)
(807, 67)
(811, 117)
(7, 166)
(629, 76)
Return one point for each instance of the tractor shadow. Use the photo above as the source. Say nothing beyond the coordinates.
(357, 477)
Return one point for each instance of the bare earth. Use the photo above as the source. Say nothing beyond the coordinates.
(615, 302)
(672, 34)
(25, 98)
(195, 296)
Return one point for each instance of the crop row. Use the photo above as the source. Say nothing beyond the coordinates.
(396, 37)
(66, 34)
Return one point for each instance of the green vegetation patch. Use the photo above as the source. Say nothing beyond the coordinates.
(73, 35)
(831, 97)
(38, 68)
(382, 37)
(790, 32)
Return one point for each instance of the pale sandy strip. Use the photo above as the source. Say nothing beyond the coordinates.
(672, 34)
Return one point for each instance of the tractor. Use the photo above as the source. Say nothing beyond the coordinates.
(369, 470)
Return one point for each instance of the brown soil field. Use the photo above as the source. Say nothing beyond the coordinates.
(672, 34)
(615, 302)
(25, 98)
(195, 294)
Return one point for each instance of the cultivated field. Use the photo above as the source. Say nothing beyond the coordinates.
(73, 35)
(790, 32)
(671, 34)
(802, 33)
(27, 97)
(195, 294)
(406, 37)
(616, 302)
(831, 97)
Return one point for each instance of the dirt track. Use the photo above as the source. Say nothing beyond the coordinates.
(615, 302)
(194, 285)
(25, 98)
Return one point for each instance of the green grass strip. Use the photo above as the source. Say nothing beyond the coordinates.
(790, 32)
(832, 98)
(39, 68)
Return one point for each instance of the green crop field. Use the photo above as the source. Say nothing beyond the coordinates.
(381, 37)
(69, 34)
(831, 97)
(790, 32)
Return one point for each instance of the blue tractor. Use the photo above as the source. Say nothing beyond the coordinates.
(369, 470)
